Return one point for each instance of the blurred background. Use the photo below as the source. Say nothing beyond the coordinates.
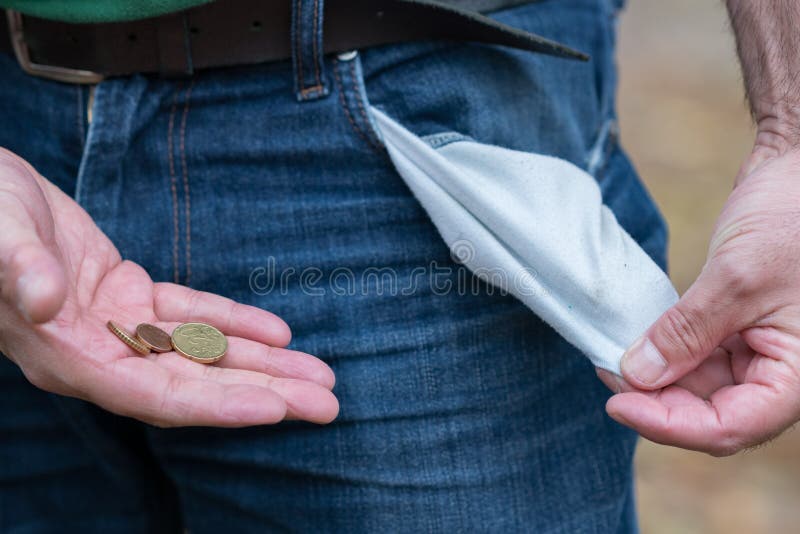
(686, 126)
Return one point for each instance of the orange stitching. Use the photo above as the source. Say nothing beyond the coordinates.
(314, 44)
(368, 124)
(340, 86)
(297, 51)
(173, 185)
(311, 89)
(186, 197)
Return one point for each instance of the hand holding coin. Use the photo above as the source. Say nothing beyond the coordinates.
(62, 279)
(194, 342)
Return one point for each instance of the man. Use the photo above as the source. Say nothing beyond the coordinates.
(459, 411)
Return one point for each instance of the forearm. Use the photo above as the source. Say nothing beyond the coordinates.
(768, 43)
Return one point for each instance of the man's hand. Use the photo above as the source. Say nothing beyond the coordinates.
(723, 365)
(62, 280)
(732, 342)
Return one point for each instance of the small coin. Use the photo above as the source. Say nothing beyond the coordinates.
(153, 338)
(127, 338)
(199, 342)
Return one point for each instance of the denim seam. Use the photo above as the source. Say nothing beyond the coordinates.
(186, 190)
(357, 94)
(315, 46)
(173, 185)
(299, 44)
(340, 86)
(298, 53)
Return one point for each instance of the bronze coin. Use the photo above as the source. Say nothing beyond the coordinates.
(199, 342)
(127, 338)
(153, 338)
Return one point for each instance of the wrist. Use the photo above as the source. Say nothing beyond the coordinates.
(777, 131)
(776, 136)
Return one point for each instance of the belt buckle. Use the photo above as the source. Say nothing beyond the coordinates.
(50, 72)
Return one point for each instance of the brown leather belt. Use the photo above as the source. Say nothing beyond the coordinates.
(238, 32)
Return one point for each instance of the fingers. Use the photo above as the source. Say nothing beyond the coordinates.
(139, 388)
(277, 362)
(741, 355)
(686, 334)
(274, 361)
(713, 373)
(304, 400)
(672, 416)
(33, 280)
(176, 303)
(736, 417)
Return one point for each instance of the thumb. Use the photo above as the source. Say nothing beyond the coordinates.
(684, 335)
(31, 276)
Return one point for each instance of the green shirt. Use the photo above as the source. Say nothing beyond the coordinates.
(98, 10)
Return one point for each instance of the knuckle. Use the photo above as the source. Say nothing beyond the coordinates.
(194, 302)
(684, 330)
(230, 315)
(738, 277)
(270, 357)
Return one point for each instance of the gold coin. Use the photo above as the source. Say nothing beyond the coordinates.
(199, 342)
(126, 338)
(153, 338)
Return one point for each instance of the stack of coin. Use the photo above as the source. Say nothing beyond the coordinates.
(199, 342)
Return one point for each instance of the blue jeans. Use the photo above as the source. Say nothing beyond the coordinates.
(460, 410)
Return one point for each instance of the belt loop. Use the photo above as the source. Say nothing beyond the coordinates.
(308, 60)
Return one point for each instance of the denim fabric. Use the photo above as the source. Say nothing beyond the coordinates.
(308, 62)
(460, 410)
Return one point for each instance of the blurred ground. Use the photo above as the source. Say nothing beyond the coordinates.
(686, 127)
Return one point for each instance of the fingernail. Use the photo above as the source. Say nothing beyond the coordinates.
(644, 362)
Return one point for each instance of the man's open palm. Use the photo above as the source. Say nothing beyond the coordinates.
(62, 280)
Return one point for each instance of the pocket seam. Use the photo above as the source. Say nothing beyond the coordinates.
(356, 114)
